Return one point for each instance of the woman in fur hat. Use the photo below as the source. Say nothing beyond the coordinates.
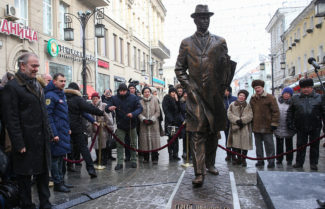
(240, 115)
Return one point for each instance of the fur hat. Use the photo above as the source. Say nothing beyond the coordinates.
(122, 87)
(243, 91)
(306, 82)
(95, 94)
(74, 86)
(172, 89)
(287, 90)
(258, 83)
(153, 89)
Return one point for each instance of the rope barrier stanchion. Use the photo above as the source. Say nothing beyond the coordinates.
(145, 151)
(272, 157)
(90, 148)
(99, 165)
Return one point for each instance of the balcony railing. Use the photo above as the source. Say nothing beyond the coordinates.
(97, 3)
(160, 50)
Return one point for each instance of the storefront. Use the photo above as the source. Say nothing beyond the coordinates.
(117, 81)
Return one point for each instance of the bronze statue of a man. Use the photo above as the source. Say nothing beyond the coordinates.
(210, 71)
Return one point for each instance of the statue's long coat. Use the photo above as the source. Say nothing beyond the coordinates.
(210, 71)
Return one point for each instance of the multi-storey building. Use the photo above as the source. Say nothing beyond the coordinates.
(132, 46)
(276, 27)
(303, 39)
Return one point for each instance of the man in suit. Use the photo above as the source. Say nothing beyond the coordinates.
(210, 71)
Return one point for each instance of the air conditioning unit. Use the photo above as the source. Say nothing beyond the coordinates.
(11, 12)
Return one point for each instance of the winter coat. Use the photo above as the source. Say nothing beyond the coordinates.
(210, 71)
(182, 107)
(266, 112)
(240, 138)
(173, 116)
(77, 107)
(27, 124)
(125, 104)
(104, 121)
(306, 112)
(283, 131)
(228, 100)
(149, 134)
(58, 113)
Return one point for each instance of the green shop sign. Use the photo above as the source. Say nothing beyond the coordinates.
(53, 47)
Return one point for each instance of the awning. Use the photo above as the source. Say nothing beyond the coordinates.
(90, 90)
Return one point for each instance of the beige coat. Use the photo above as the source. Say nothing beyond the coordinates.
(106, 120)
(240, 138)
(149, 134)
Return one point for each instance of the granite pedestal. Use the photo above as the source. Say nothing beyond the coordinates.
(287, 190)
(214, 194)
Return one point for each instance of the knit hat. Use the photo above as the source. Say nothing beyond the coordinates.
(95, 94)
(74, 86)
(243, 91)
(122, 87)
(258, 83)
(306, 82)
(145, 89)
(287, 90)
(172, 89)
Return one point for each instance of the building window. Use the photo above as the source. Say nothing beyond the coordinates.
(22, 13)
(298, 33)
(47, 17)
(305, 28)
(312, 53)
(311, 22)
(128, 54)
(305, 64)
(147, 64)
(103, 82)
(115, 47)
(63, 9)
(135, 57)
(64, 69)
(103, 48)
(139, 59)
(144, 63)
(121, 51)
(320, 55)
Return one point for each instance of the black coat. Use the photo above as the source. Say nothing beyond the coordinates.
(77, 106)
(173, 116)
(27, 124)
(306, 112)
(128, 103)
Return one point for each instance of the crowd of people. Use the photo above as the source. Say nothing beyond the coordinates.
(265, 116)
(44, 124)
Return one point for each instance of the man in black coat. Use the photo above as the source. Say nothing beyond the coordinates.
(27, 124)
(77, 106)
(127, 108)
(305, 115)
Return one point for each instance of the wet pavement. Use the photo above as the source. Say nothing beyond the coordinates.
(154, 186)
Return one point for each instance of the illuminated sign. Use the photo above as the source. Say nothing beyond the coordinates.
(12, 28)
(103, 64)
(53, 47)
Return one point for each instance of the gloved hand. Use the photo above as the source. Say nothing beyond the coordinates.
(273, 128)
(240, 123)
(146, 122)
(150, 122)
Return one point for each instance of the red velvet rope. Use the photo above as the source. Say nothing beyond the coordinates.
(146, 151)
(90, 148)
(272, 157)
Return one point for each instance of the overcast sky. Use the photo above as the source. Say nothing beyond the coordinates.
(241, 22)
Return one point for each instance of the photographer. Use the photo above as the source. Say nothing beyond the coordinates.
(173, 117)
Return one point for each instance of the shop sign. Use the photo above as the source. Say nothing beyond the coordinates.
(12, 28)
(156, 80)
(53, 47)
(73, 54)
(103, 64)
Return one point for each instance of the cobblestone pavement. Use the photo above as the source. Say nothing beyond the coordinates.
(151, 186)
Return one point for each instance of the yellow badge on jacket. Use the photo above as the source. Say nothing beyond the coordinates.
(48, 101)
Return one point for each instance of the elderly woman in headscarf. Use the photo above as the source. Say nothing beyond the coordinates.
(149, 125)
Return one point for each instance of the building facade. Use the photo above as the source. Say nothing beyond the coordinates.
(131, 48)
(302, 40)
(278, 24)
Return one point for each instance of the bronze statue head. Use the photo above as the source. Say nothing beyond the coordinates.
(202, 17)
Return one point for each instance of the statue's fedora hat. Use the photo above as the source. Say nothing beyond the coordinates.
(201, 10)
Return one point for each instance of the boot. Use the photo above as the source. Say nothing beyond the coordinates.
(60, 188)
(243, 162)
(198, 181)
(109, 154)
(92, 173)
(104, 157)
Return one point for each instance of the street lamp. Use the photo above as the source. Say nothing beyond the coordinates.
(262, 66)
(272, 71)
(320, 8)
(83, 18)
(283, 65)
(152, 63)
